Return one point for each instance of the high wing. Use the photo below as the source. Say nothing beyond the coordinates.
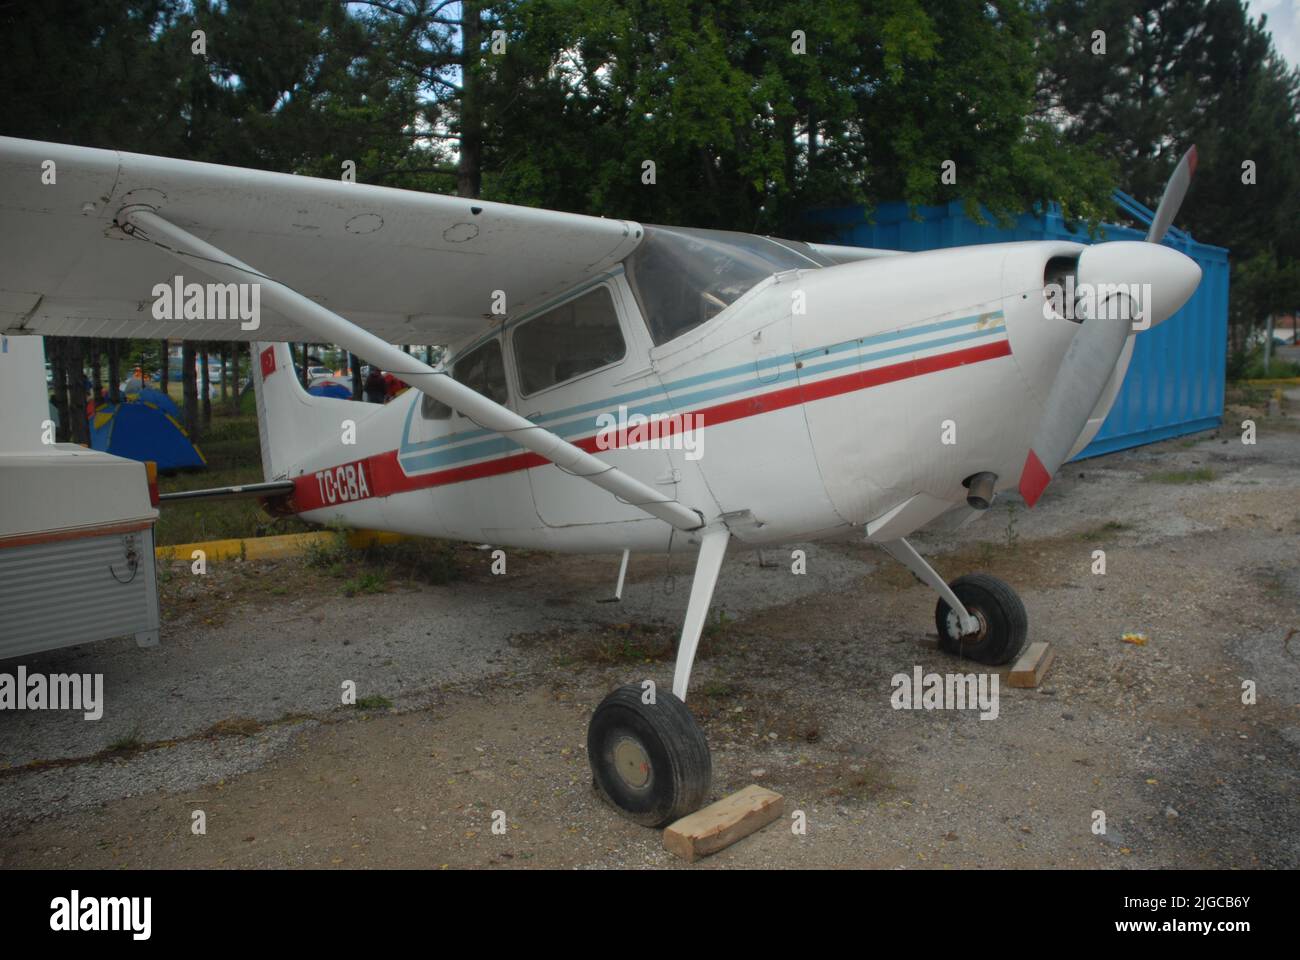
(409, 267)
(364, 267)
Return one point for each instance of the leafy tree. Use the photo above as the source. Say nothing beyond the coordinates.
(298, 86)
(1261, 286)
(1177, 72)
(89, 72)
(753, 111)
(750, 124)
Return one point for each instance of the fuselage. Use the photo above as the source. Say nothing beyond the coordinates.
(819, 400)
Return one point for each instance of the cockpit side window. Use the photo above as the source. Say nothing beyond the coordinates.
(683, 277)
(574, 338)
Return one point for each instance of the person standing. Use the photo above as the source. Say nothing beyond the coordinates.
(376, 388)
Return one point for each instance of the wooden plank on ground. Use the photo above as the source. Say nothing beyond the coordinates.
(1032, 665)
(721, 824)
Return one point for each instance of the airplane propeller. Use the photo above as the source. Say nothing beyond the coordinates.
(1166, 279)
(1175, 191)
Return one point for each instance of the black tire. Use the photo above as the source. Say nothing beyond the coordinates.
(1004, 625)
(665, 765)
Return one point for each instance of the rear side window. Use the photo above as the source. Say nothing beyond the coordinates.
(574, 338)
(432, 408)
(482, 369)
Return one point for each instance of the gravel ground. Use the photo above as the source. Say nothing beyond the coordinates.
(491, 681)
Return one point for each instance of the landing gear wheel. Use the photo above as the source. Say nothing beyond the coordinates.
(1002, 619)
(650, 761)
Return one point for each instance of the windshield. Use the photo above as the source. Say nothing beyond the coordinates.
(682, 277)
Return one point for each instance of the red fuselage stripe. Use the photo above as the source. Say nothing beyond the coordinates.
(385, 477)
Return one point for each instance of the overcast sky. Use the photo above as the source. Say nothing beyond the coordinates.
(1283, 23)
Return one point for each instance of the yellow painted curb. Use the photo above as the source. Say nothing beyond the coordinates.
(272, 548)
(373, 538)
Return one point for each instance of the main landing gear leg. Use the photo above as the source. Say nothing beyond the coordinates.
(648, 756)
(978, 616)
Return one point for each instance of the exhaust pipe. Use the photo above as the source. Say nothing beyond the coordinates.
(980, 487)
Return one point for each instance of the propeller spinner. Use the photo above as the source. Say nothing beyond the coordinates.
(1126, 281)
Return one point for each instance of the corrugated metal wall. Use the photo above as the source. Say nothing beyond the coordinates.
(1175, 382)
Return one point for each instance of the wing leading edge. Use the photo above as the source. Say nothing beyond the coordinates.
(410, 267)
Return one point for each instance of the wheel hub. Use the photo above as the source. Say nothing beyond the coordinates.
(954, 625)
(632, 762)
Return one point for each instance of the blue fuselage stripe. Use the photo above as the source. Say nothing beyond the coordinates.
(669, 400)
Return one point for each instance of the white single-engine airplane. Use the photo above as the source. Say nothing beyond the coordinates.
(611, 386)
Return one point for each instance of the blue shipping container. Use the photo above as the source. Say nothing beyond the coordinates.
(1175, 381)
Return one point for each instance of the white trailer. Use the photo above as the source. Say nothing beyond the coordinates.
(76, 526)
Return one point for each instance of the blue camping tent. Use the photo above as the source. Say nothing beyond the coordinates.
(159, 399)
(330, 388)
(138, 430)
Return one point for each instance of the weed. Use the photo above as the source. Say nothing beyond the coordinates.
(1099, 533)
(369, 581)
(715, 629)
(129, 743)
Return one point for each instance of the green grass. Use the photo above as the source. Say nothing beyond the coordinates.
(373, 569)
(625, 649)
(374, 702)
(329, 554)
(234, 456)
(126, 744)
(1201, 475)
(1250, 366)
(719, 689)
(370, 581)
(417, 559)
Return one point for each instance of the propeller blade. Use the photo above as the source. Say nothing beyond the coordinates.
(1084, 370)
(1175, 191)
(1155, 281)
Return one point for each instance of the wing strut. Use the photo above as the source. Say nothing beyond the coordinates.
(144, 223)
